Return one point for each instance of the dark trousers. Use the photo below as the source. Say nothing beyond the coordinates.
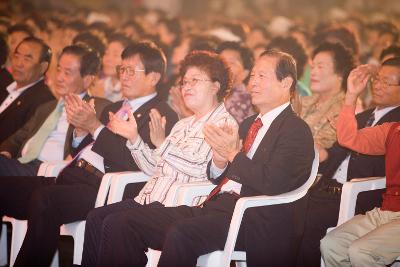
(322, 213)
(12, 167)
(183, 233)
(47, 204)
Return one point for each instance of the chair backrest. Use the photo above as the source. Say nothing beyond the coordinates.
(302, 190)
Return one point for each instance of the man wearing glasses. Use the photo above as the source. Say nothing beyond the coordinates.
(371, 239)
(48, 202)
(340, 164)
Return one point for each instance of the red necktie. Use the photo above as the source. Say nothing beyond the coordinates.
(248, 142)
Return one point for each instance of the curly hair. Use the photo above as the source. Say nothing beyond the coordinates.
(213, 65)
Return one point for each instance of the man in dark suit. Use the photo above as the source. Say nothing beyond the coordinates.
(15, 34)
(273, 139)
(340, 164)
(20, 99)
(48, 203)
(57, 144)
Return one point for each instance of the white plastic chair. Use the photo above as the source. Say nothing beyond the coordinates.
(348, 199)
(187, 192)
(75, 229)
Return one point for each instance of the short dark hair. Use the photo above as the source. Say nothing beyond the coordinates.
(390, 50)
(89, 59)
(291, 46)
(152, 57)
(45, 50)
(246, 56)
(285, 67)
(213, 65)
(386, 27)
(91, 41)
(20, 27)
(343, 59)
(174, 26)
(393, 62)
(341, 34)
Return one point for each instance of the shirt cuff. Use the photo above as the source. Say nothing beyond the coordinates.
(97, 131)
(215, 171)
(136, 145)
(76, 140)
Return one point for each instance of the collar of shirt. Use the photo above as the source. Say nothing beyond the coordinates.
(267, 120)
(379, 113)
(12, 87)
(138, 102)
(270, 116)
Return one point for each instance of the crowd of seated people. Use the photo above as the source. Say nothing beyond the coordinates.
(241, 103)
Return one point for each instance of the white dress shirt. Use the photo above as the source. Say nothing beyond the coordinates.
(53, 147)
(341, 172)
(14, 93)
(267, 119)
(95, 159)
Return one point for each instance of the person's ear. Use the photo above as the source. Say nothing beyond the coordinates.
(43, 67)
(287, 82)
(88, 81)
(154, 78)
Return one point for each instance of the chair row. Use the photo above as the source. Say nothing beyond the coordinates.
(113, 185)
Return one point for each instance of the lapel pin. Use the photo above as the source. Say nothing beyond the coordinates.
(18, 103)
(139, 115)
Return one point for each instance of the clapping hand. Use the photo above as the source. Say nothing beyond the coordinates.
(81, 114)
(157, 127)
(223, 140)
(124, 128)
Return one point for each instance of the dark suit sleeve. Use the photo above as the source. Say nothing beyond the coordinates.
(285, 169)
(14, 143)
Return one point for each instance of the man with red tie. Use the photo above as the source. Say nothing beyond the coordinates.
(276, 157)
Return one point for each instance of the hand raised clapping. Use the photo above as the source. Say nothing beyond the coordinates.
(157, 127)
(124, 128)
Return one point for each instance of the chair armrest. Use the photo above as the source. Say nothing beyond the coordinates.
(185, 193)
(51, 169)
(350, 191)
(250, 202)
(120, 180)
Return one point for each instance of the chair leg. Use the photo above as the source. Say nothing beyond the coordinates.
(153, 256)
(54, 262)
(78, 236)
(17, 237)
(3, 245)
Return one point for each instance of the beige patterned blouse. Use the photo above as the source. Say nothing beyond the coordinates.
(322, 117)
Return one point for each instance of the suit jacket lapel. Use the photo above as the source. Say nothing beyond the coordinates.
(143, 111)
(268, 142)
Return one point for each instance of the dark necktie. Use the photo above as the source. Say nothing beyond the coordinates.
(248, 142)
(370, 120)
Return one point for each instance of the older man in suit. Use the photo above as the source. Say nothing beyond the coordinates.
(272, 139)
(20, 99)
(47, 136)
(341, 164)
(48, 203)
